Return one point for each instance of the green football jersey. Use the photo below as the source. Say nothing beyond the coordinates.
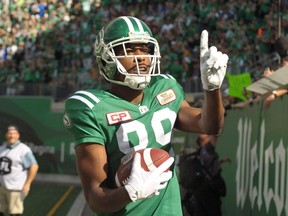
(97, 116)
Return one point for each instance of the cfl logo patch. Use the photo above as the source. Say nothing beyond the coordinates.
(166, 97)
(116, 117)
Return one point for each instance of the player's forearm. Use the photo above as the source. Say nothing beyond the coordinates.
(212, 117)
(107, 200)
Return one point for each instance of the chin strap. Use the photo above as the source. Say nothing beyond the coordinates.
(137, 83)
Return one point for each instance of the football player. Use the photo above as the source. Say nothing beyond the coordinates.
(140, 110)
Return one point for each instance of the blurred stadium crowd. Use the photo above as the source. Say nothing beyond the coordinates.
(46, 46)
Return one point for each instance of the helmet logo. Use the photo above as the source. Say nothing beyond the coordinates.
(99, 41)
(67, 121)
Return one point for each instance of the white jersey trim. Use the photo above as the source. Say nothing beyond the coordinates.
(93, 97)
(167, 76)
(84, 100)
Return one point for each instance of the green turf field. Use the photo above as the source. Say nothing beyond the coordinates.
(50, 199)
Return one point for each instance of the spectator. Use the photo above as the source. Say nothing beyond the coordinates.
(208, 198)
(18, 168)
(239, 26)
(281, 47)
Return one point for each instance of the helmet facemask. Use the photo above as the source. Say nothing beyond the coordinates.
(110, 66)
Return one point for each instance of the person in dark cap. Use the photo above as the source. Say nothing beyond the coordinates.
(18, 168)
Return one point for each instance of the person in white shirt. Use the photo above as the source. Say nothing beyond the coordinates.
(18, 168)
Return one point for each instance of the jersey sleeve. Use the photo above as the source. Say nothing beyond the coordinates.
(79, 119)
(29, 159)
(178, 89)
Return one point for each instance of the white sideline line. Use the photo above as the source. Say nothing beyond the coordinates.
(58, 178)
(77, 206)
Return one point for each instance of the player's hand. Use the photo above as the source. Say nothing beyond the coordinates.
(144, 184)
(213, 64)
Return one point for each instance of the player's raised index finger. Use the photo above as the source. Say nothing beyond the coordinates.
(203, 42)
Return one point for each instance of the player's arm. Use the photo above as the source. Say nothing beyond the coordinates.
(212, 115)
(91, 161)
(92, 167)
(209, 119)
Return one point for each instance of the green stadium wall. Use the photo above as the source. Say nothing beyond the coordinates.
(255, 138)
(41, 129)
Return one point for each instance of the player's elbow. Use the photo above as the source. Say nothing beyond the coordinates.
(98, 207)
(218, 129)
(100, 201)
(214, 129)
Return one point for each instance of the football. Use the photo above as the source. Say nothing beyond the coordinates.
(150, 159)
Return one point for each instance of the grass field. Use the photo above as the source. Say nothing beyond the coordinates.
(50, 199)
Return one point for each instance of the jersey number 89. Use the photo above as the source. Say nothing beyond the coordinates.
(135, 132)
